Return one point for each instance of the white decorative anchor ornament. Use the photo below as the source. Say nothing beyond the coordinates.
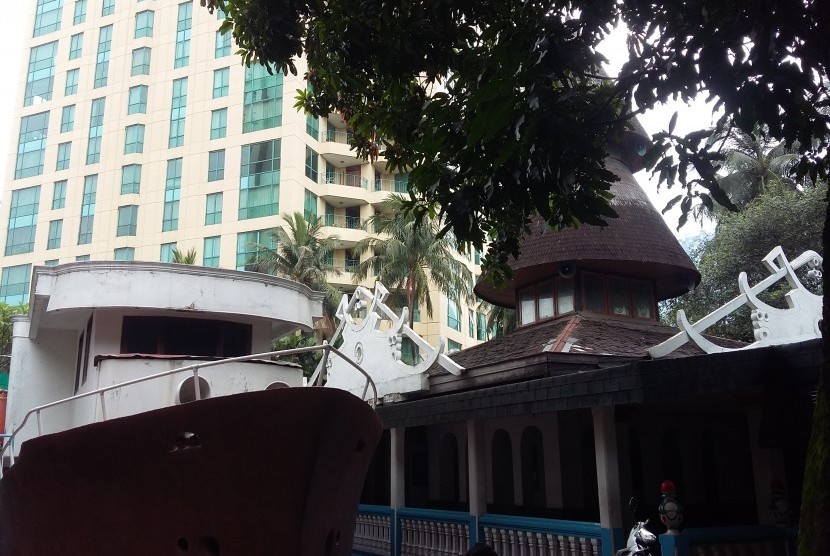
(374, 342)
(798, 322)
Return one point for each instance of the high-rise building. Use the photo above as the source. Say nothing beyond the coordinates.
(139, 131)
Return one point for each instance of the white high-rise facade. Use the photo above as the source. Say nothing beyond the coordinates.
(139, 130)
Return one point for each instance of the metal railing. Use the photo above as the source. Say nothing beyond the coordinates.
(325, 347)
(342, 178)
(391, 185)
(338, 136)
(350, 222)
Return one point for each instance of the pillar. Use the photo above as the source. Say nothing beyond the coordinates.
(608, 478)
(397, 472)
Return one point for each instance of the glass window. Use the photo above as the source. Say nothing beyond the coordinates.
(144, 24)
(87, 209)
(223, 45)
(31, 145)
(59, 195)
(102, 61)
(453, 346)
(172, 190)
(312, 162)
(593, 292)
(564, 295)
(67, 118)
(642, 297)
(527, 306)
(166, 252)
(545, 295)
(218, 123)
(134, 139)
(81, 258)
(53, 241)
(64, 152)
(453, 316)
(127, 220)
(96, 131)
(47, 16)
(79, 15)
(22, 220)
(137, 101)
(14, 284)
(481, 326)
(262, 101)
(124, 254)
(72, 77)
(141, 61)
(248, 246)
(213, 209)
(51, 262)
(183, 35)
(216, 165)
(312, 126)
(221, 82)
(40, 75)
(130, 179)
(107, 7)
(178, 111)
(310, 208)
(471, 324)
(259, 180)
(210, 256)
(402, 183)
(618, 296)
(76, 46)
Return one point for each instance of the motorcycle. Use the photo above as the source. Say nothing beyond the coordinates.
(640, 540)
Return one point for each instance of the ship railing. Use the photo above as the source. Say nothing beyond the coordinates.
(319, 381)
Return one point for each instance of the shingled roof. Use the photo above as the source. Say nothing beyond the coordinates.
(578, 333)
(637, 243)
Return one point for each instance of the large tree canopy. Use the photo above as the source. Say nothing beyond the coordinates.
(499, 109)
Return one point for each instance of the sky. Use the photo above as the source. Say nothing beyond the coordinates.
(14, 33)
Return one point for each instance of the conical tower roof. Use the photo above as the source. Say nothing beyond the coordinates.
(637, 244)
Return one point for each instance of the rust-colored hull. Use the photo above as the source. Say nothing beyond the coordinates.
(273, 472)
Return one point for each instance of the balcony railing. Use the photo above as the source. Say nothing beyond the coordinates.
(344, 265)
(380, 530)
(341, 178)
(350, 222)
(338, 136)
(391, 185)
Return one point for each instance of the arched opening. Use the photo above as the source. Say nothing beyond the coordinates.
(502, 460)
(186, 390)
(276, 385)
(590, 489)
(635, 455)
(533, 468)
(448, 487)
(416, 467)
(709, 467)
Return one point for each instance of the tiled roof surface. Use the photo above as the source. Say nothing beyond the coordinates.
(578, 333)
(638, 244)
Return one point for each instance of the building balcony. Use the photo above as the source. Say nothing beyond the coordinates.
(344, 190)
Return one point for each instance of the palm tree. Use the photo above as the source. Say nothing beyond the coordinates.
(303, 255)
(183, 258)
(408, 256)
(755, 164)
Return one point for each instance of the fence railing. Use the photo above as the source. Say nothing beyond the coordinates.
(338, 136)
(421, 532)
(342, 178)
(337, 221)
(519, 536)
(391, 185)
(194, 370)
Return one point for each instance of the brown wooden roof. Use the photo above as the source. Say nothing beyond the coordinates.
(636, 244)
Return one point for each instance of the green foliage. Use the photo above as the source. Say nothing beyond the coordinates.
(308, 361)
(409, 256)
(781, 216)
(6, 313)
(184, 258)
(305, 256)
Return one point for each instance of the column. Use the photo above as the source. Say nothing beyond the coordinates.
(608, 478)
(397, 488)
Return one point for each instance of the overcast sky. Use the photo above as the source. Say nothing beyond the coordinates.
(13, 57)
